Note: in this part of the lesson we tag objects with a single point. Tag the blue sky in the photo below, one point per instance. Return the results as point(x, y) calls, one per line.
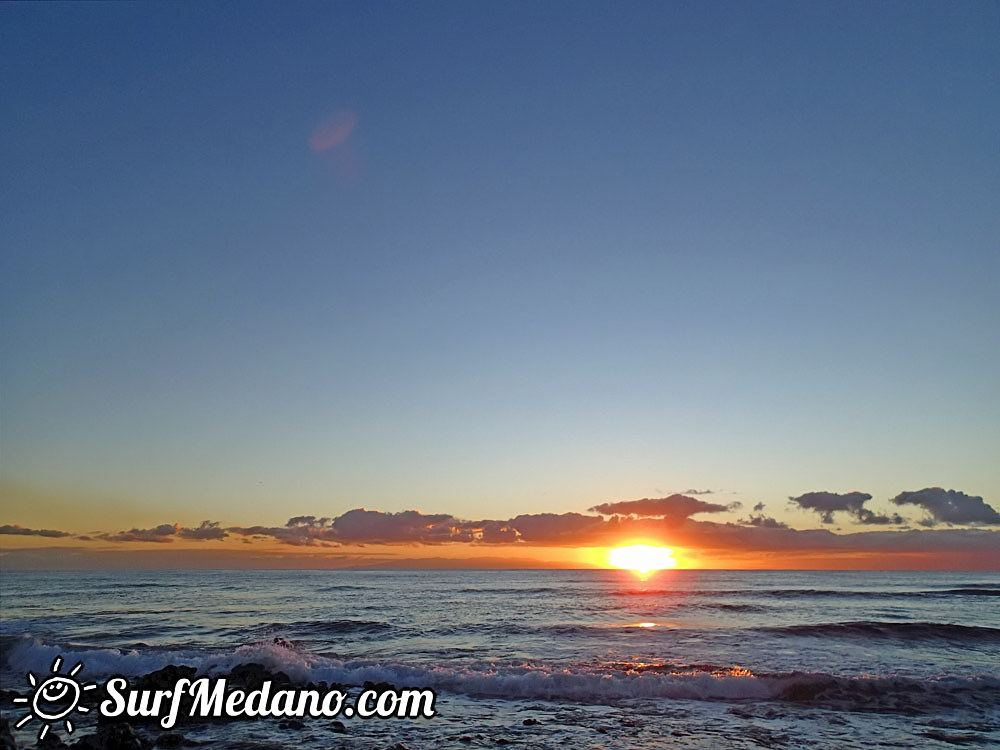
point(568, 253)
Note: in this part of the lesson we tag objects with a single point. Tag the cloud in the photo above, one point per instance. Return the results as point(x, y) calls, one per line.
point(299, 531)
point(666, 520)
point(949, 506)
point(164, 533)
point(828, 503)
point(675, 507)
point(207, 530)
point(556, 528)
point(376, 527)
point(699, 492)
point(763, 521)
point(21, 531)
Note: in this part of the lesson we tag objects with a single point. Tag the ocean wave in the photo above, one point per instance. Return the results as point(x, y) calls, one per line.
point(517, 590)
point(323, 627)
point(970, 591)
point(758, 593)
point(965, 590)
point(607, 684)
point(908, 630)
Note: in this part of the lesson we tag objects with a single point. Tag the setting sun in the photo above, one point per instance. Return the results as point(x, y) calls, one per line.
point(642, 558)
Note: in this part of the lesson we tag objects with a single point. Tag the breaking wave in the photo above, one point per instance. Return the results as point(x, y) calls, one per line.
point(598, 684)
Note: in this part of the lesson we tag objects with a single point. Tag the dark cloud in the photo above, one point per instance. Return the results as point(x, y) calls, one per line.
point(758, 507)
point(556, 528)
point(763, 521)
point(698, 492)
point(497, 532)
point(949, 506)
point(376, 527)
point(361, 526)
point(321, 522)
point(675, 507)
point(16, 530)
point(828, 503)
point(207, 530)
point(299, 531)
point(164, 533)
point(869, 518)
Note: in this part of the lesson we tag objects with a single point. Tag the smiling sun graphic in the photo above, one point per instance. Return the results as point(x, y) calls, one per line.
point(55, 698)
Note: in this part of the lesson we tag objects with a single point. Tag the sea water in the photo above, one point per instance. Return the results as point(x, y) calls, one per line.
point(543, 658)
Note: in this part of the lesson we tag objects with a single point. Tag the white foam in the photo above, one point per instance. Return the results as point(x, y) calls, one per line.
point(584, 684)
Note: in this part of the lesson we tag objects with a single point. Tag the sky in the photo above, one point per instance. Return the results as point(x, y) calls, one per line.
point(497, 261)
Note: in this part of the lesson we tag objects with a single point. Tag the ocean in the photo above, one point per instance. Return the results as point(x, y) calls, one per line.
point(542, 658)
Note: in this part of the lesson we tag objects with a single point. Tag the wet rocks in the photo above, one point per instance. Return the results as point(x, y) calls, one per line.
point(6, 737)
point(378, 687)
point(164, 679)
point(118, 736)
point(254, 675)
point(50, 742)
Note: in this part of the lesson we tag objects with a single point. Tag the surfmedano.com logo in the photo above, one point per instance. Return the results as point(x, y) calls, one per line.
point(55, 698)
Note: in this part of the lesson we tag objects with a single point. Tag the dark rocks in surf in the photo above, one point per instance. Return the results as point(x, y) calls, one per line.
point(6, 737)
point(50, 742)
point(164, 679)
point(174, 740)
point(378, 687)
point(254, 675)
point(118, 736)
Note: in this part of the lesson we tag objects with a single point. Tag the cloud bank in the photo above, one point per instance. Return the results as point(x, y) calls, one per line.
point(15, 530)
point(668, 520)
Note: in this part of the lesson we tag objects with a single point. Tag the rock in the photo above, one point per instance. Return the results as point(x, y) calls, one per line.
point(530, 722)
point(171, 739)
point(378, 687)
point(164, 679)
point(338, 726)
point(87, 742)
point(120, 736)
point(51, 741)
point(6, 738)
point(291, 724)
point(253, 676)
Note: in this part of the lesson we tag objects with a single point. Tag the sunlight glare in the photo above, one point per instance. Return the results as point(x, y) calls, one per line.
point(642, 558)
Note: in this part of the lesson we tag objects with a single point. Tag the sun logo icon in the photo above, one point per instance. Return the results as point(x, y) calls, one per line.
point(55, 698)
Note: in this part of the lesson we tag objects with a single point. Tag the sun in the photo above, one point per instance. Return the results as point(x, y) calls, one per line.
point(642, 558)
point(55, 698)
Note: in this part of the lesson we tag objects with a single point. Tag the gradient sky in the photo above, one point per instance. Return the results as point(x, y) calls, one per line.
point(491, 259)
